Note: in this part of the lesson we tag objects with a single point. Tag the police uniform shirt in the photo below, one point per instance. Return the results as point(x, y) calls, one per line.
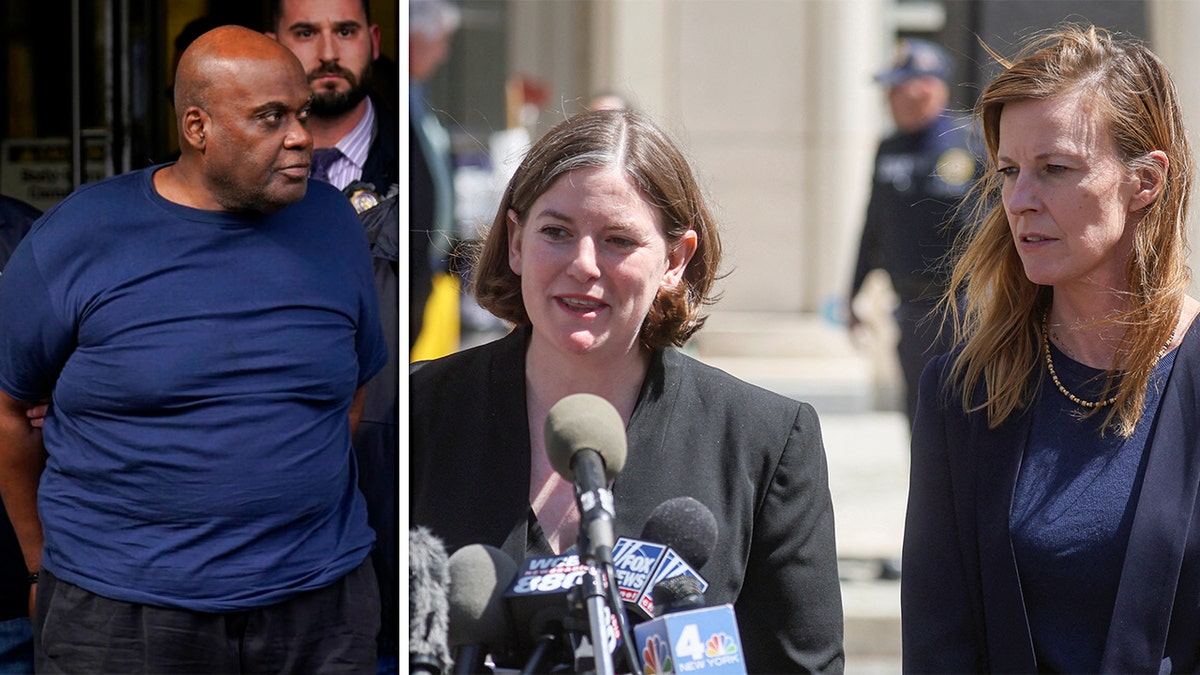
point(919, 179)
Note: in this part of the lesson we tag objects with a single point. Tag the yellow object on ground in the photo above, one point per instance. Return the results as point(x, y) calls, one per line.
point(441, 333)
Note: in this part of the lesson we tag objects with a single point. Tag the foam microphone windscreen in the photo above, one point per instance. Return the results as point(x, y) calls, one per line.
point(585, 422)
point(677, 594)
point(479, 575)
point(428, 591)
point(686, 525)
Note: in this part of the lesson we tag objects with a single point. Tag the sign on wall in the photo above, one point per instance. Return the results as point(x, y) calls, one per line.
point(38, 170)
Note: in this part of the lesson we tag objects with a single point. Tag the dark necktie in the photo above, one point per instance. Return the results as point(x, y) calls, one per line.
point(322, 159)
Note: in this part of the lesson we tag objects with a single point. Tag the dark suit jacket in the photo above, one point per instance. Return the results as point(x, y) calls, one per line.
point(382, 166)
point(16, 217)
point(961, 599)
point(752, 457)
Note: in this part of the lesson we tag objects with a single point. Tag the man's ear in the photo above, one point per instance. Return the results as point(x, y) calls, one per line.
point(194, 122)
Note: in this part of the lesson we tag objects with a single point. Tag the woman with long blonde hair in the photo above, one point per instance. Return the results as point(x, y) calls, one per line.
point(1054, 455)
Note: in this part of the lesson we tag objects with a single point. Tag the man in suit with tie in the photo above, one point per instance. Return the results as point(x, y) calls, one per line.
point(354, 135)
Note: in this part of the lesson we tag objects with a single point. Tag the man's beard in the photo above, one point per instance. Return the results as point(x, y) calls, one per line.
point(334, 103)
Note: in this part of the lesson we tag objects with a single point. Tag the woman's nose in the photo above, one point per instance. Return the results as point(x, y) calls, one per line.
point(585, 266)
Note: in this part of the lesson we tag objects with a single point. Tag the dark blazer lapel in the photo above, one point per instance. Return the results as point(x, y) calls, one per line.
point(1141, 617)
point(1009, 645)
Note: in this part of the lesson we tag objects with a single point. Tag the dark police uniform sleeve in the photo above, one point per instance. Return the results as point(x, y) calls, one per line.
point(919, 180)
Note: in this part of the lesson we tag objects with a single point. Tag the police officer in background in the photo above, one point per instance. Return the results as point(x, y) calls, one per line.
point(922, 171)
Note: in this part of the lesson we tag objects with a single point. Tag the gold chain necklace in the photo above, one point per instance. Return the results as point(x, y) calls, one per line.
point(1054, 376)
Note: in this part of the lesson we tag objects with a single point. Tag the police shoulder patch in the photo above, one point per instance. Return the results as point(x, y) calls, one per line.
point(956, 166)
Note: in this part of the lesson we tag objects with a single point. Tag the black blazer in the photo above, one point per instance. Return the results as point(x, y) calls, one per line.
point(382, 166)
point(961, 599)
point(753, 457)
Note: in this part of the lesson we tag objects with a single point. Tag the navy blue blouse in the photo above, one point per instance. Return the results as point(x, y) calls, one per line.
point(1072, 512)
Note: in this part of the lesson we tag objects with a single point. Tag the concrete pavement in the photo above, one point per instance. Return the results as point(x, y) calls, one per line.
point(868, 479)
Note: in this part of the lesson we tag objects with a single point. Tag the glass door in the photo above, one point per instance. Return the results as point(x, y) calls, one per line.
point(81, 100)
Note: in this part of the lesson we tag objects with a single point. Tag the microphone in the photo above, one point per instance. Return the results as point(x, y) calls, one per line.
point(686, 525)
point(479, 620)
point(684, 635)
point(428, 610)
point(692, 640)
point(677, 594)
point(538, 597)
point(680, 535)
point(546, 602)
point(585, 442)
point(640, 565)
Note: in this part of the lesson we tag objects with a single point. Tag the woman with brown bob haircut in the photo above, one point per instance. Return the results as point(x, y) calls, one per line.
point(602, 255)
point(656, 166)
point(1052, 518)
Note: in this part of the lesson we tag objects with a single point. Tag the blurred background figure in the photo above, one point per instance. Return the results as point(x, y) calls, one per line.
point(16, 631)
point(431, 23)
point(922, 170)
point(607, 99)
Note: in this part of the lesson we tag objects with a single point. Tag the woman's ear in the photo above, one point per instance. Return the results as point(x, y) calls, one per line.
point(1151, 177)
point(679, 257)
point(513, 227)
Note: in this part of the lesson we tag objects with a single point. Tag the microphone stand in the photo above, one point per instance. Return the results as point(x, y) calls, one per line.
point(627, 639)
point(600, 575)
point(596, 539)
point(536, 663)
point(591, 588)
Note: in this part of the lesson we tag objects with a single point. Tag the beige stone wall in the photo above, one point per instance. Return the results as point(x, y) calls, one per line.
point(774, 103)
point(772, 100)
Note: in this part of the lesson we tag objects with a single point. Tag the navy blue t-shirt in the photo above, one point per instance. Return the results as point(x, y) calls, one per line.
point(1072, 513)
point(202, 366)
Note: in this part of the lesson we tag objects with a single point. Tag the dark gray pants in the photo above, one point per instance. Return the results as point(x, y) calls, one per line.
point(921, 339)
point(329, 630)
